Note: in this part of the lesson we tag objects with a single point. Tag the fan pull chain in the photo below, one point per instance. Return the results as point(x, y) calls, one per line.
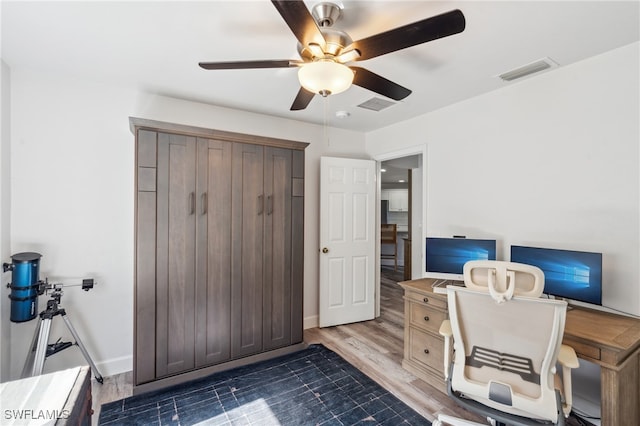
point(326, 120)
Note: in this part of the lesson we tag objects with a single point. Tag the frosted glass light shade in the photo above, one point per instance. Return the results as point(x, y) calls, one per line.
point(325, 77)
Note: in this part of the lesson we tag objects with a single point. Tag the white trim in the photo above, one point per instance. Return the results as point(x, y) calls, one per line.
point(115, 366)
point(405, 152)
point(310, 322)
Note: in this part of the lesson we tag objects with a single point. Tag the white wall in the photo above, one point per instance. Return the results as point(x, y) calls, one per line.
point(72, 199)
point(550, 161)
point(5, 193)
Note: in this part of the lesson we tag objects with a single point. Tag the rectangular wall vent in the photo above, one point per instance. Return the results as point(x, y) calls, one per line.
point(376, 104)
point(525, 70)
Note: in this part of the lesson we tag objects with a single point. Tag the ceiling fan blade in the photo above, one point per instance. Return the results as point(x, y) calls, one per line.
point(299, 19)
point(429, 29)
point(302, 99)
point(371, 81)
point(235, 65)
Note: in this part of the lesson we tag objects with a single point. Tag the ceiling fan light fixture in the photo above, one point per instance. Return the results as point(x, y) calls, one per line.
point(348, 56)
point(325, 77)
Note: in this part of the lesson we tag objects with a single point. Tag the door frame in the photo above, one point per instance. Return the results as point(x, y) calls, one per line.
point(419, 229)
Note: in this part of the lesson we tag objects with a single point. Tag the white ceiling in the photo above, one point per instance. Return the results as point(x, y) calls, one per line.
point(398, 168)
point(156, 46)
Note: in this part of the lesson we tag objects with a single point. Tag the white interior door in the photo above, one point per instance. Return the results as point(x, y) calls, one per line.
point(347, 240)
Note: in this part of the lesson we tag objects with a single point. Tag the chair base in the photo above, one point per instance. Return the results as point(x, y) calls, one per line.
point(443, 420)
point(497, 416)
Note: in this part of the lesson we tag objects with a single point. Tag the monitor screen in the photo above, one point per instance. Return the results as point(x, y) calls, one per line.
point(575, 275)
point(446, 256)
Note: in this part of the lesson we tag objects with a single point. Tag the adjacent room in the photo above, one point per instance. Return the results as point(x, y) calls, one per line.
point(205, 187)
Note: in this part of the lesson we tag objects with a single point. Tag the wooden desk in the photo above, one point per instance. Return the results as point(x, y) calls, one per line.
point(609, 340)
point(613, 342)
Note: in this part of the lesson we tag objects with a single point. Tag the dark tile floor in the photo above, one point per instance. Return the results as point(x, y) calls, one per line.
point(312, 387)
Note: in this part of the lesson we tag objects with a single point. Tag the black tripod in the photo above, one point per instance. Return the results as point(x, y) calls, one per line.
point(40, 347)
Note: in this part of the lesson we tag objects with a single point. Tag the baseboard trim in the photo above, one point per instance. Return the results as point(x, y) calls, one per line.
point(310, 322)
point(115, 366)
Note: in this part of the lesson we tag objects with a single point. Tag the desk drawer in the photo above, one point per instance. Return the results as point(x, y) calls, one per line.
point(426, 349)
point(426, 317)
point(583, 349)
point(438, 301)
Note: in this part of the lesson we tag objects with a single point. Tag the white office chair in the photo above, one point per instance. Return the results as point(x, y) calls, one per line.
point(506, 342)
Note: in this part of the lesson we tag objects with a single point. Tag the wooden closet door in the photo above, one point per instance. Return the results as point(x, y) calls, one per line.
point(145, 257)
point(277, 248)
point(213, 270)
point(247, 223)
point(175, 255)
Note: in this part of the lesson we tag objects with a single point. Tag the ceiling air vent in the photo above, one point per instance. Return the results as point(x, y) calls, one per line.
point(532, 68)
point(376, 104)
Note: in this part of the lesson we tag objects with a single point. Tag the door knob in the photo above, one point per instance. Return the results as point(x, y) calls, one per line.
point(325, 250)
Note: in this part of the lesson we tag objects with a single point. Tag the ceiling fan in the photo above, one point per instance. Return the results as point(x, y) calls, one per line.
point(325, 51)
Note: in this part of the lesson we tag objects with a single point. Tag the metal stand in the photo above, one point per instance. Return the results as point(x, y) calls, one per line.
point(40, 347)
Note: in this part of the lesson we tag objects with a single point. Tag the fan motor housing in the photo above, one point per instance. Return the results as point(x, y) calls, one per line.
point(335, 41)
point(326, 13)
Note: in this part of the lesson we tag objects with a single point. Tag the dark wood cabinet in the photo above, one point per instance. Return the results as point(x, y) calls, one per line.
point(219, 250)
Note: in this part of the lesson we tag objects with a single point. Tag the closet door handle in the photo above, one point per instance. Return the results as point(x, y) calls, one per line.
point(269, 205)
point(192, 202)
point(260, 204)
point(203, 200)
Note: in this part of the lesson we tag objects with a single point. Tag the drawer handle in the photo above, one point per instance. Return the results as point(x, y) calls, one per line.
point(425, 300)
point(426, 318)
point(426, 351)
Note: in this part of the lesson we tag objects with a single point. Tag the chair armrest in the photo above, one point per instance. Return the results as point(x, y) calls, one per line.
point(568, 360)
point(445, 328)
point(567, 357)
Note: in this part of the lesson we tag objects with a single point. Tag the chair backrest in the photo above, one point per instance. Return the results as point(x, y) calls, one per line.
point(388, 233)
point(506, 339)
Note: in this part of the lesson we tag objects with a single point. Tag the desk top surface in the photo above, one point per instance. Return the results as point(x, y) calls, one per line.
point(614, 331)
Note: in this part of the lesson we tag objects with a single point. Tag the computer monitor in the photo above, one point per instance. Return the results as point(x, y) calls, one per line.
point(575, 275)
point(446, 256)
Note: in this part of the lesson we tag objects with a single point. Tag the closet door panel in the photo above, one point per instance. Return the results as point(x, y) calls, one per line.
point(175, 276)
point(277, 253)
point(213, 270)
point(297, 247)
point(145, 290)
point(248, 207)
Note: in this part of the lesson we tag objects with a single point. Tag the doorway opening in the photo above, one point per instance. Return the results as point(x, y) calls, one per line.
point(396, 176)
point(396, 218)
point(400, 214)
